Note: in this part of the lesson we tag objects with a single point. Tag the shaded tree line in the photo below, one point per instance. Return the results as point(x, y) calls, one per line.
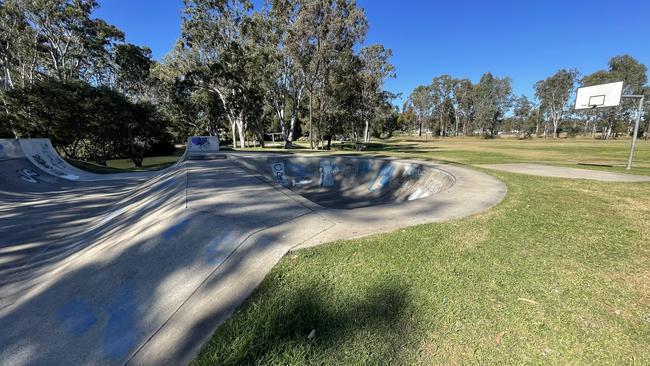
point(293, 66)
point(70, 77)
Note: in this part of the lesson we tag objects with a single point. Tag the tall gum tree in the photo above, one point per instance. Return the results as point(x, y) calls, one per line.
point(376, 68)
point(493, 99)
point(555, 92)
point(215, 31)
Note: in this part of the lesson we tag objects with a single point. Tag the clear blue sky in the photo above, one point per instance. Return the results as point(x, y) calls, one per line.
point(526, 40)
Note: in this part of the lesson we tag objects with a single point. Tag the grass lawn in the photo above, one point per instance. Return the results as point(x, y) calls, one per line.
point(126, 165)
point(558, 273)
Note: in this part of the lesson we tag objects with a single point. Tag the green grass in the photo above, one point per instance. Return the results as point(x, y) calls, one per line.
point(558, 273)
point(126, 165)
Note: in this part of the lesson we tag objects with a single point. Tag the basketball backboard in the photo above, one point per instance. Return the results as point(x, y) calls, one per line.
point(598, 96)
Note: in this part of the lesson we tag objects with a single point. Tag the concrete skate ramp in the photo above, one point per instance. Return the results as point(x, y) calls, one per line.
point(36, 161)
point(352, 182)
point(202, 148)
point(141, 271)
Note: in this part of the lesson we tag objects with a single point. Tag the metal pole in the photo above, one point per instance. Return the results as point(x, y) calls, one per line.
point(636, 131)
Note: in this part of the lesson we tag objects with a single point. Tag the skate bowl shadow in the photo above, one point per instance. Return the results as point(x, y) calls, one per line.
point(352, 182)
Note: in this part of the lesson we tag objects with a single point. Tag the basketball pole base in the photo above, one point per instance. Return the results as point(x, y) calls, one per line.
point(636, 128)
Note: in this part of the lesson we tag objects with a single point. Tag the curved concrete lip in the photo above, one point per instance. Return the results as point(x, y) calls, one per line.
point(471, 192)
point(543, 170)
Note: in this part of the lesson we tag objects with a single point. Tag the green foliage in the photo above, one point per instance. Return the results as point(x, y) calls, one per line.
point(84, 121)
point(613, 121)
point(493, 99)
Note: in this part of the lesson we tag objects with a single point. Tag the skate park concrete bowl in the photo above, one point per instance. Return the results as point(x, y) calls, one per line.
point(352, 182)
point(140, 268)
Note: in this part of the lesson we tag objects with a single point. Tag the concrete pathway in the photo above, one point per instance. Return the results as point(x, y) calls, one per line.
point(142, 272)
point(564, 172)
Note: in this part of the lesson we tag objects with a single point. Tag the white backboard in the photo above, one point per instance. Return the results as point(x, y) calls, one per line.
point(598, 96)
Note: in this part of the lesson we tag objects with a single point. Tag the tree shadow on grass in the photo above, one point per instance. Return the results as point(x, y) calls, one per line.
point(380, 146)
point(373, 327)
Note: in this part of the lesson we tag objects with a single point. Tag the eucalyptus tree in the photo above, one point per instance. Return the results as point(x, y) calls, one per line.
point(275, 34)
point(133, 68)
point(555, 93)
point(464, 96)
point(635, 78)
point(214, 30)
point(407, 118)
point(422, 105)
point(493, 99)
point(343, 106)
point(73, 44)
point(191, 110)
point(442, 90)
point(522, 112)
point(375, 68)
point(19, 54)
point(325, 30)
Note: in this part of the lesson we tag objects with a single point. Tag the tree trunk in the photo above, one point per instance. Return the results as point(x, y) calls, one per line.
point(240, 130)
point(234, 135)
point(311, 132)
point(260, 138)
point(593, 130)
point(366, 132)
point(329, 142)
point(292, 125)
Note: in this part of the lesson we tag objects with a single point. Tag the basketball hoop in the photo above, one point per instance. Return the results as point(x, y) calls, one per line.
point(599, 96)
point(609, 95)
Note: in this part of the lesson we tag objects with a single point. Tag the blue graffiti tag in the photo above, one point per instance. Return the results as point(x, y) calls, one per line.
point(171, 232)
point(382, 179)
point(277, 169)
point(200, 141)
point(327, 169)
point(120, 332)
point(76, 316)
point(364, 167)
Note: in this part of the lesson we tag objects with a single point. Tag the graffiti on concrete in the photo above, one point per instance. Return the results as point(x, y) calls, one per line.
point(349, 170)
point(221, 245)
point(174, 229)
point(327, 171)
point(120, 331)
point(364, 167)
point(299, 173)
point(201, 142)
point(28, 175)
point(412, 171)
point(277, 170)
point(383, 178)
point(76, 316)
point(52, 163)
